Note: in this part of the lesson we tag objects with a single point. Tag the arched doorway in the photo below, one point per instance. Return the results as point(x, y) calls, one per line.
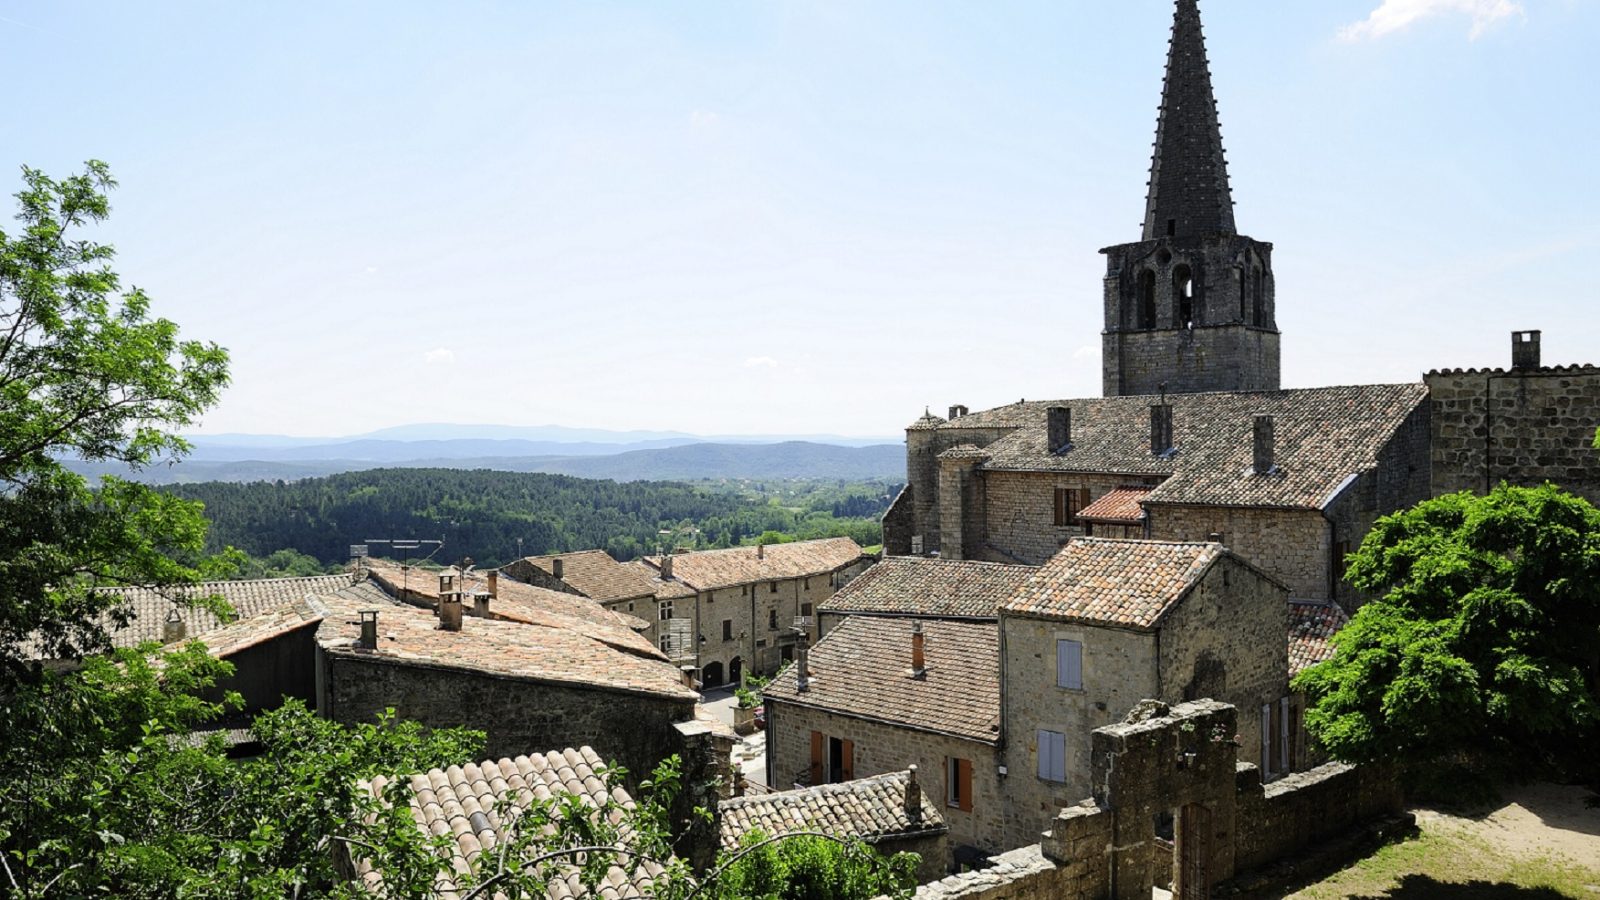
point(736, 671)
point(711, 675)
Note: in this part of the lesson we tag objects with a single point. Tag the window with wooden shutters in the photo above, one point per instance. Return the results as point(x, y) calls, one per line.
point(816, 757)
point(1052, 756)
point(1069, 664)
point(847, 758)
point(1069, 501)
point(958, 783)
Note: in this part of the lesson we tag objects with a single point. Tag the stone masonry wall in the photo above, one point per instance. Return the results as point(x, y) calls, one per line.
point(520, 716)
point(882, 747)
point(1292, 546)
point(1226, 357)
point(1295, 812)
point(1520, 426)
point(763, 635)
point(923, 447)
point(1020, 515)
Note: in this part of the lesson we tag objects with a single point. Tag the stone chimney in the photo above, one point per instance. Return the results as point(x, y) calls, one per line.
point(1525, 349)
point(802, 668)
point(447, 582)
point(369, 630)
point(761, 551)
point(1261, 459)
point(493, 577)
point(913, 795)
point(450, 612)
point(666, 567)
point(480, 604)
point(173, 628)
point(1160, 428)
point(957, 411)
point(1059, 420)
point(919, 658)
point(556, 567)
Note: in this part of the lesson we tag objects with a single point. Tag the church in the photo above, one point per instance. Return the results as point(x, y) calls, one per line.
point(1193, 438)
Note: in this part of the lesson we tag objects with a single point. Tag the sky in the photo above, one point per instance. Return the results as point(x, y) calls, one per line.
point(779, 217)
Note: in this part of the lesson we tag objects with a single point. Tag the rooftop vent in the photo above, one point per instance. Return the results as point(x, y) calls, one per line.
point(1525, 349)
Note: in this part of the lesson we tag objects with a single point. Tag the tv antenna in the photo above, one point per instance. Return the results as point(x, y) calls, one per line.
point(406, 546)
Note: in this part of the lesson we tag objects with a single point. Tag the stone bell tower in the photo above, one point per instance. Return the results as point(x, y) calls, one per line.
point(1190, 306)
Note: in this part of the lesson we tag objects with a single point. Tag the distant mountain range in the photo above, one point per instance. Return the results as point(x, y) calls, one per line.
point(619, 461)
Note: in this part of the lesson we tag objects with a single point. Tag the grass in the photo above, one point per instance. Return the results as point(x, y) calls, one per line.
point(1448, 864)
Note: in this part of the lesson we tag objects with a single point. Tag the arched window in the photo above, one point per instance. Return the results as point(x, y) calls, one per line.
point(1147, 300)
point(1244, 293)
point(1258, 312)
point(1183, 296)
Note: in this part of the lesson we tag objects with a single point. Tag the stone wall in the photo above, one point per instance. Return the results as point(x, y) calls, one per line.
point(1293, 546)
point(882, 747)
point(1020, 513)
point(1226, 357)
point(962, 529)
point(1297, 811)
point(900, 523)
point(1523, 426)
point(519, 716)
point(760, 621)
point(923, 446)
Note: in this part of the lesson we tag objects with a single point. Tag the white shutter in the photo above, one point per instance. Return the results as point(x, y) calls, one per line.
point(1069, 664)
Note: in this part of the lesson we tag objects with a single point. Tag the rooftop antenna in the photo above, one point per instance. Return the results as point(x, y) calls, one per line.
point(406, 545)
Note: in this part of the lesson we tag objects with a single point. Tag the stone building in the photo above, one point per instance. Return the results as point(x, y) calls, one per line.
point(739, 607)
point(881, 694)
point(1108, 623)
point(619, 587)
point(912, 587)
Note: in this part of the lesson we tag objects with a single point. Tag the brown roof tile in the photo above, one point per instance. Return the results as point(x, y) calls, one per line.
point(1311, 625)
point(1114, 582)
point(150, 607)
point(863, 668)
point(871, 809)
point(706, 570)
point(660, 588)
point(596, 575)
point(463, 801)
point(937, 588)
point(1118, 507)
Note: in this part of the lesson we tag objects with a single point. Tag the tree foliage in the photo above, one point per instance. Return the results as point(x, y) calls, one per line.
point(1483, 643)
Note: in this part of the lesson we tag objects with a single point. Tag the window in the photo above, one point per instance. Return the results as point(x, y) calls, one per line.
point(1172, 227)
point(772, 620)
point(727, 629)
point(630, 607)
point(666, 610)
point(1068, 502)
point(806, 584)
point(805, 610)
point(832, 759)
point(958, 783)
point(1147, 300)
point(1069, 664)
point(1052, 756)
point(1258, 311)
point(772, 587)
point(665, 643)
point(1183, 296)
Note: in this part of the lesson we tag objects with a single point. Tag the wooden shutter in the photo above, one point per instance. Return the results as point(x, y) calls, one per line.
point(1061, 507)
point(849, 760)
point(1283, 735)
point(1069, 664)
point(1083, 501)
point(1266, 739)
point(964, 779)
point(816, 757)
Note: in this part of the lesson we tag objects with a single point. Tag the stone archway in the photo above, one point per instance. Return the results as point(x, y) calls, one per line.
point(736, 670)
point(711, 675)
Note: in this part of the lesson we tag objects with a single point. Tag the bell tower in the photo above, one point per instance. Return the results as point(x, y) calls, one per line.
point(1190, 306)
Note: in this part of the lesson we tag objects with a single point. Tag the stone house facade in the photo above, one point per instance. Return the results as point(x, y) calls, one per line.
point(1109, 623)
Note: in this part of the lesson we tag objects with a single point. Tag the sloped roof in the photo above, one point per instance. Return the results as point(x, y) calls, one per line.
point(536, 652)
point(871, 809)
point(938, 588)
point(596, 575)
point(239, 636)
point(1323, 436)
point(1311, 625)
point(1123, 583)
point(660, 588)
point(151, 607)
point(863, 668)
point(707, 570)
point(461, 801)
point(1118, 507)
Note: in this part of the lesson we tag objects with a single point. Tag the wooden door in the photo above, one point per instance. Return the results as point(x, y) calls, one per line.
point(1191, 878)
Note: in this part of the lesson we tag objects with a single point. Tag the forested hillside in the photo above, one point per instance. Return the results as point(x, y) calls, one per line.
point(483, 514)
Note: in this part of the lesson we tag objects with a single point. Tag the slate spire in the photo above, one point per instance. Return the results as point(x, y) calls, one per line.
point(1189, 193)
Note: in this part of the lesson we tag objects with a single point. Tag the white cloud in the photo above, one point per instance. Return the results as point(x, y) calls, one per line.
point(760, 362)
point(701, 118)
point(1395, 15)
point(372, 270)
point(440, 357)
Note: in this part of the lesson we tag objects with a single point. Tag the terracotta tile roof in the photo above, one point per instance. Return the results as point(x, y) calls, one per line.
point(595, 574)
point(260, 628)
point(1311, 624)
point(463, 801)
point(661, 589)
point(248, 598)
point(863, 668)
point(937, 588)
point(518, 602)
point(706, 570)
point(1323, 436)
point(1114, 582)
point(536, 652)
point(871, 809)
point(1118, 507)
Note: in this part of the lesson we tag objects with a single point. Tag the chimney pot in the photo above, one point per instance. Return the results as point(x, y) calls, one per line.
point(556, 567)
point(919, 661)
point(173, 629)
point(1160, 427)
point(761, 551)
point(1262, 457)
point(913, 795)
point(480, 605)
point(494, 584)
point(369, 630)
point(1525, 349)
point(450, 612)
point(1059, 422)
point(802, 668)
point(666, 567)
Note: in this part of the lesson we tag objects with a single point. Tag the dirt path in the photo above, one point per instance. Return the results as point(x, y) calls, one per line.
point(1536, 819)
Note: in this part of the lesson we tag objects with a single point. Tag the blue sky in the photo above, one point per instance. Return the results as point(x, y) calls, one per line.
point(741, 217)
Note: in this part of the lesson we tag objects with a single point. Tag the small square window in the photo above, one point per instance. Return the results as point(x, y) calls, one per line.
point(727, 629)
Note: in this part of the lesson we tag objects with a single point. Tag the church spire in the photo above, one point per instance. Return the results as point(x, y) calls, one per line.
point(1189, 193)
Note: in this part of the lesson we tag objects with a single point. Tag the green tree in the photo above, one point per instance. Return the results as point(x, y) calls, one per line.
point(1483, 644)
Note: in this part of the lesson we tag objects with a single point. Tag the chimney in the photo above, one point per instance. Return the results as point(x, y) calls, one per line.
point(494, 584)
point(1059, 419)
point(761, 551)
point(1262, 458)
point(957, 412)
point(1215, 537)
point(173, 629)
point(802, 668)
point(369, 630)
point(1524, 349)
point(666, 567)
point(913, 795)
point(450, 612)
point(480, 604)
point(556, 567)
point(1160, 428)
point(919, 660)
point(447, 582)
